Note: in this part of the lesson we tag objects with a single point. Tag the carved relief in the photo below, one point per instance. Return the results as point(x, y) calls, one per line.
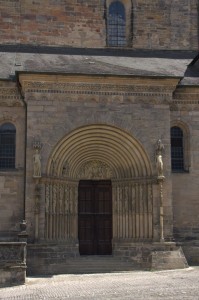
point(132, 213)
point(65, 169)
point(95, 170)
point(61, 209)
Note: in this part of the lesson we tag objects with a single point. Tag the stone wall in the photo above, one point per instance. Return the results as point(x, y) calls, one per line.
point(51, 116)
point(150, 25)
point(12, 263)
point(185, 114)
point(12, 180)
point(165, 24)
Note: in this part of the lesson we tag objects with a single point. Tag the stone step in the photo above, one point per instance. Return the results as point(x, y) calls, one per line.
point(90, 265)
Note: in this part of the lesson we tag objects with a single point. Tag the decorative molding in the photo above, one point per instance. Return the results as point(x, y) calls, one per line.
point(15, 101)
point(98, 89)
point(10, 96)
point(188, 98)
point(7, 116)
point(9, 91)
point(184, 106)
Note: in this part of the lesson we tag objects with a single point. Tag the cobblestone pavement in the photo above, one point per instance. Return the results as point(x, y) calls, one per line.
point(175, 284)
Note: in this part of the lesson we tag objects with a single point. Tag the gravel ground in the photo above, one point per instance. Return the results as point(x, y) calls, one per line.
point(175, 284)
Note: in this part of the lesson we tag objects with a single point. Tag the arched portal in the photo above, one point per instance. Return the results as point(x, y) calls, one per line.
point(111, 146)
point(99, 153)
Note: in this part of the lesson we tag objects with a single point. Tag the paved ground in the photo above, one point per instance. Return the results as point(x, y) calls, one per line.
point(176, 284)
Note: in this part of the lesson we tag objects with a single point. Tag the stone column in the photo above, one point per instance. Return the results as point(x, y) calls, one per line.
point(160, 181)
point(37, 208)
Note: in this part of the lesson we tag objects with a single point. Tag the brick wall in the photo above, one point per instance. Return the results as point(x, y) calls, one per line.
point(155, 24)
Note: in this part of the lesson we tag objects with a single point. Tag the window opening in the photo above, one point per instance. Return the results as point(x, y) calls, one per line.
point(116, 25)
point(177, 155)
point(7, 146)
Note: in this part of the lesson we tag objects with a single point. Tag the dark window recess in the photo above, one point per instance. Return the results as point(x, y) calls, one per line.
point(7, 146)
point(116, 25)
point(177, 155)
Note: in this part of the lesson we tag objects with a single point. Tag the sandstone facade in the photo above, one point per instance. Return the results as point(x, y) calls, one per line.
point(96, 115)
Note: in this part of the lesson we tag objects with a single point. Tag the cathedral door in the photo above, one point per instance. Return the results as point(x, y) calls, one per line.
point(95, 217)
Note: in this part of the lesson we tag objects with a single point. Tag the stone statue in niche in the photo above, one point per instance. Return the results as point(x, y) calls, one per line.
point(37, 146)
point(159, 161)
point(37, 164)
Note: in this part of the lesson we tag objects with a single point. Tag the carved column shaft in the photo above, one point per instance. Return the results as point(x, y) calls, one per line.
point(161, 212)
point(61, 210)
point(132, 213)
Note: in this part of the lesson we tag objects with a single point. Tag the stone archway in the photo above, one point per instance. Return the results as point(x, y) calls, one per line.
point(123, 154)
point(99, 152)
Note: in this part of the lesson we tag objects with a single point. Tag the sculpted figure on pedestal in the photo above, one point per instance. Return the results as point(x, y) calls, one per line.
point(159, 161)
point(37, 164)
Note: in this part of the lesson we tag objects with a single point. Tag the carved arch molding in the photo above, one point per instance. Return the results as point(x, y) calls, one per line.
point(99, 152)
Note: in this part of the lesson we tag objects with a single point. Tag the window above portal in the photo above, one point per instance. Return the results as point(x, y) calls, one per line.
point(116, 25)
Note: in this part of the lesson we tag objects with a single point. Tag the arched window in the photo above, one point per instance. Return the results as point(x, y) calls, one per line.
point(177, 151)
point(116, 34)
point(7, 146)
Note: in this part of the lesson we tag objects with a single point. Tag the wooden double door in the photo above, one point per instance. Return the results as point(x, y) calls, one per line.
point(95, 217)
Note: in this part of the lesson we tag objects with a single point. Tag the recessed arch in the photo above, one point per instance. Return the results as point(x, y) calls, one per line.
point(116, 148)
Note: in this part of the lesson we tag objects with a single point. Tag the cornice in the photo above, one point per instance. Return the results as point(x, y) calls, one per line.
point(99, 85)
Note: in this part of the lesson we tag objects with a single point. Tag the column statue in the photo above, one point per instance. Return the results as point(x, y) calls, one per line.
point(159, 161)
point(37, 164)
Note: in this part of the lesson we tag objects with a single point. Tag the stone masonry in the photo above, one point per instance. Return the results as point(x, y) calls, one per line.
point(84, 111)
point(153, 24)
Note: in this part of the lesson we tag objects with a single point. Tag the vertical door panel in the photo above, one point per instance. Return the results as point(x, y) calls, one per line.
point(95, 218)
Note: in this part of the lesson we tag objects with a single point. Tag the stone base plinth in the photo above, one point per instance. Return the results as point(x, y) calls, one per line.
point(12, 263)
point(12, 275)
point(151, 256)
point(50, 259)
point(168, 260)
point(191, 251)
point(45, 259)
